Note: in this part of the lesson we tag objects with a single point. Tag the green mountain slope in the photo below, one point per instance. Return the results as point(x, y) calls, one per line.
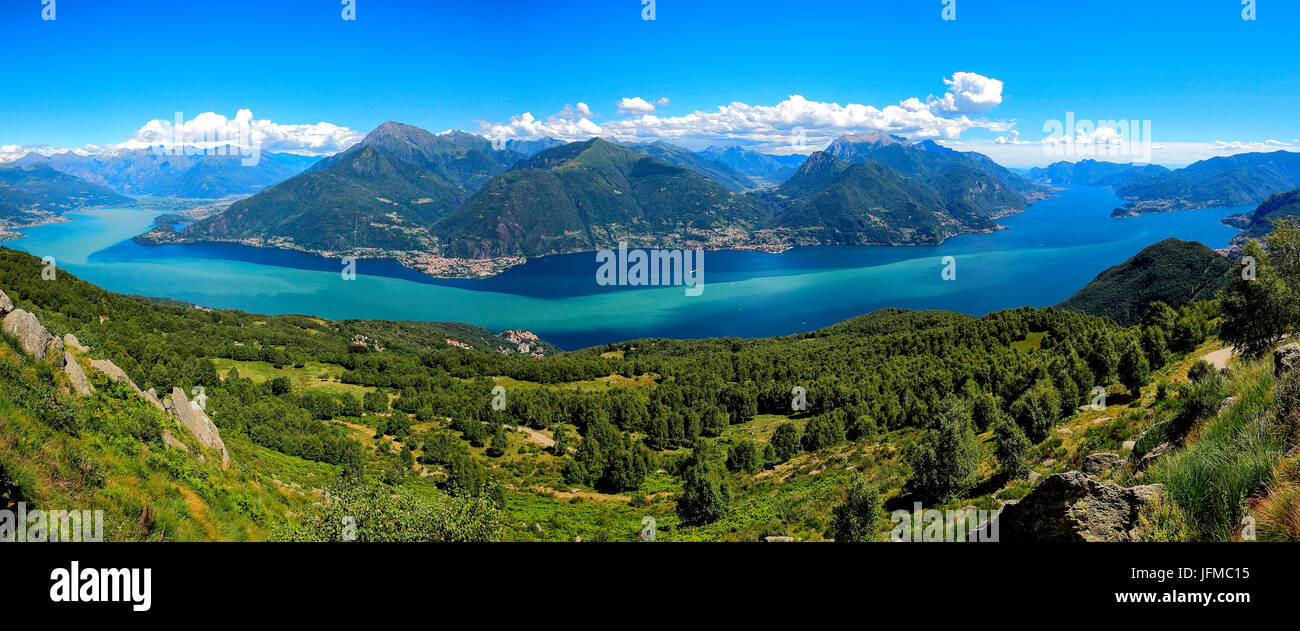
point(381, 196)
point(683, 157)
point(1172, 271)
point(37, 193)
point(1259, 222)
point(1238, 180)
point(591, 195)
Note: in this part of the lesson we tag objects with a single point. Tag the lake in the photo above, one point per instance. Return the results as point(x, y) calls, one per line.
point(1045, 254)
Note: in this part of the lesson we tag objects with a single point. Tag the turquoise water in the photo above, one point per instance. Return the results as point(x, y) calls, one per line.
point(1044, 256)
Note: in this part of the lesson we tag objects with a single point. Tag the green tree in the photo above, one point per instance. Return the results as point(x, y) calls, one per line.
point(744, 457)
point(1037, 410)
point(1011, 450)
point(824, 430)
point(855, 518)
point(1160, 315)
point(1257, 312)
point(944, 461)
point(785, 441)
point(705, 493)
point(1133, 370)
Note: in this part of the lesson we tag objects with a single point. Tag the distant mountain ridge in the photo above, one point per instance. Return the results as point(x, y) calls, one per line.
point(1093, 173)
point(162, 174)
point(761, 168)
point(35, 194)
point(1236, 180)
point(457, 204)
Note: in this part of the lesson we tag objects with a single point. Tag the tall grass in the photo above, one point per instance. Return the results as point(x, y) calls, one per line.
point(1229, 455)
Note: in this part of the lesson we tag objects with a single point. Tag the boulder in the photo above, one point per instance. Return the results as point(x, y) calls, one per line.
point(777, 538)
point(1151, 456)
point(78, 377)
point(113, 372)
point(1097, 464)
point(6, 305)
point(1074, 506)
point(151, 396)
point(195, 420)
point(31, 335)
point(71, 341)
point(169, 440)
point(1286, 358)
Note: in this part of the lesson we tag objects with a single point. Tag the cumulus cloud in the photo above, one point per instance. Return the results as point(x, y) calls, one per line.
point(210, 129)
point(794, 122)
point(1237, 146)
point(1012, 138)
point(969, 93)
point(635, 105)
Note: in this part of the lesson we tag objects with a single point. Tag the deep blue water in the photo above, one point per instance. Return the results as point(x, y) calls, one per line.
point(1045, 254)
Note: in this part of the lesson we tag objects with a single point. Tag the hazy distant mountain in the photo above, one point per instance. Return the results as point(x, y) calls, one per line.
point(1093, 173)
point(590, 195)
point(530, 148)
point(150, 172)
point(1172, 271)
point(924, 161)
point(683, 157)
point(762, 168)
point(1237, 180)
point(383, 193)
point(30, 194)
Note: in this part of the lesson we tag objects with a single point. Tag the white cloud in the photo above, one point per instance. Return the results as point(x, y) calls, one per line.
point(1238, 146)
point(663, 100)
point(1012, 138)
point(794, 122)
point(210, 129)
point(969, 93)
point(635, 105)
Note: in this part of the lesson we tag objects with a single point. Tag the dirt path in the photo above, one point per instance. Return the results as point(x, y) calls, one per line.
point(534, 435)
point(1219, 359)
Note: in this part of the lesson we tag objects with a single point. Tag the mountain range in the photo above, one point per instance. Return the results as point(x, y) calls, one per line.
point(160, 174)
point(1236, 180)
point(1093, 173)
point(441, 201)
point(34, 194)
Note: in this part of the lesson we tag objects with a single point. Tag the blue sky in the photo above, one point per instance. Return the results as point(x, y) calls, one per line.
point(1194, 68)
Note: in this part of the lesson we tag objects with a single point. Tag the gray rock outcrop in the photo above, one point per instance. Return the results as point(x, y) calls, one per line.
point(1286, 358)
point(71, 341)
point(1097, 464)
point(1074, 506)
point(6, 305)
point(31, 335)
point(111, 371)
point(195, 420)
point(80, 384)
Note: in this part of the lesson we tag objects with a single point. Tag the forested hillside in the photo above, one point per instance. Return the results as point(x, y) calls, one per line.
point(1172, 271)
